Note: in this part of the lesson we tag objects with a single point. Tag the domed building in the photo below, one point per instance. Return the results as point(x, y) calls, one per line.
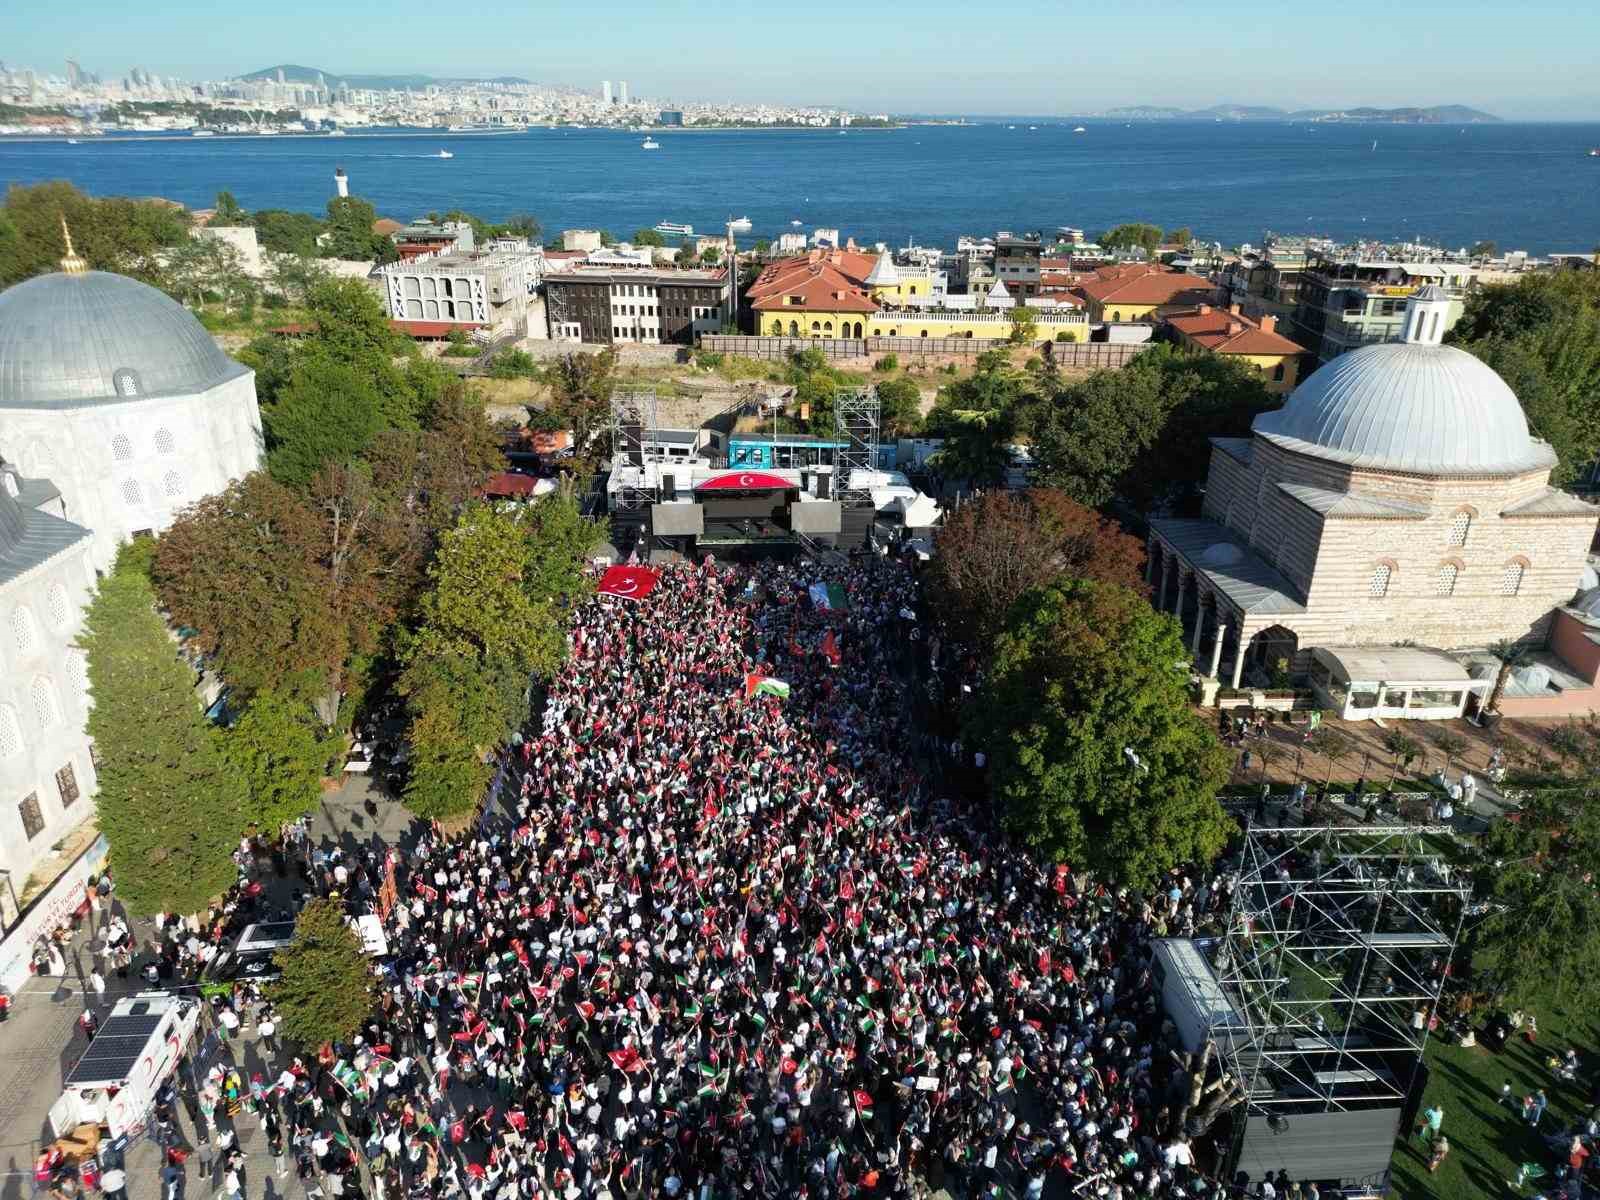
point(117, 409)
point(118, 395)
point(1397, 501)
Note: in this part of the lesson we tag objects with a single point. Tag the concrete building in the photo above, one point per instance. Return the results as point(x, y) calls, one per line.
point(611, 307)
point(1140, 292)
point(1227, 331)
point(1344, 303)
point(1016, 264)
point(485, 291)
point(421, 239)
point(1396, 500)
point(580, 239)
point(605, 92)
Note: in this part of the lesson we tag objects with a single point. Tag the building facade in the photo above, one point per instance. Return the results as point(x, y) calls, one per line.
point(1253, 341)
point(634, 306)
point(1140, 292)
point(478, 290)
point(1016, 264)
point(1343, 303)
point(1396, 498)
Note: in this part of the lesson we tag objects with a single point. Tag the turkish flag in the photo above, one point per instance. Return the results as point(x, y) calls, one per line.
point(629, 583)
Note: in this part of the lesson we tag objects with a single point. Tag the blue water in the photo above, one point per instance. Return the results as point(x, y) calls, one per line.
point(1523, 186)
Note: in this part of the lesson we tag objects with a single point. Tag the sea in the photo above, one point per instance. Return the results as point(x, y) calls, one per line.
point(1531, 187)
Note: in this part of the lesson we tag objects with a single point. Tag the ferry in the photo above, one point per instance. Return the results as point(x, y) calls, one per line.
point(740, 225)
point(445, 154)
point(1080, 129)
point(673, 229)
point(650, 144)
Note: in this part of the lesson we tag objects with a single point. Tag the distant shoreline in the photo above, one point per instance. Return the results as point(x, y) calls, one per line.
point(406, 131)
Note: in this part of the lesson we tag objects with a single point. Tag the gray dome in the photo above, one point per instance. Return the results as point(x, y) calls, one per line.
point(1430, 410)
point(66, 339)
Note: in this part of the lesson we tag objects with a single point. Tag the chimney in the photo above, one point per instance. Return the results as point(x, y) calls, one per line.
point(1234, 309)
point(1235, 328)
point(1268, 324)
point(1203, 311)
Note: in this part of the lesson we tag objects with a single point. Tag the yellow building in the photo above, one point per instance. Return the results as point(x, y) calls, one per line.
point(1136, 292)
point(1070, 325)
point(1257, 342)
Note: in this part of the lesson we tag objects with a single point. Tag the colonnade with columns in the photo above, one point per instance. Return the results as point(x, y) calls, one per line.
point(1174, 586)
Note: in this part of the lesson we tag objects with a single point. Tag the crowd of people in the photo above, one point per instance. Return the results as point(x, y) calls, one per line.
point(718, 942)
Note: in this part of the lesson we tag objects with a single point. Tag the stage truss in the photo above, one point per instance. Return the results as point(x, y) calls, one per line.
point(1337, 940)
point(856, 415)
point(634, 440)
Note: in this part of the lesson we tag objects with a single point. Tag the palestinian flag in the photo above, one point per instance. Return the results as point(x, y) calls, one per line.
point(828, 597)
point(756, 684)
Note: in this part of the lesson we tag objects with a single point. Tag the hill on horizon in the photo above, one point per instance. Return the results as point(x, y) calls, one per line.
point(294, 73)
point(1439, 114)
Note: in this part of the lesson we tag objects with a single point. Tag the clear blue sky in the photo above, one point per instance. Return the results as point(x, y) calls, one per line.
point(1531, 59)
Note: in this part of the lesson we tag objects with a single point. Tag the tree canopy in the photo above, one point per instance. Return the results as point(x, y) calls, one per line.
point(1003, 544)
point(281, 755)
point(1135, 235)
point(349, 232)
point(110, 234)
point(169, 804)
point(326, 987)
point(1094, 753)
point(580, 400)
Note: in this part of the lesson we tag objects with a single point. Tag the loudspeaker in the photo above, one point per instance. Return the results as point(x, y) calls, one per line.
point(669, 487)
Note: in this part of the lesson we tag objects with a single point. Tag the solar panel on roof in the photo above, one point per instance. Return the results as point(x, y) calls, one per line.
point(115, 1049)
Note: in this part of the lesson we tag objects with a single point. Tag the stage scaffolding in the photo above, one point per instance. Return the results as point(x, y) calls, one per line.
point(856, 415)
point(634, 441)
point(1334, 955)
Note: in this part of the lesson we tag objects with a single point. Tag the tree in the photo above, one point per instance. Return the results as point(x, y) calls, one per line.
point(711, 255)
point(580, 397)
point(111, 234)
point(1003, 544)
point(294, 276)
point(1135, 236)
point(1402, 749)
point(648, 237)
point(349, 232)
point(325, 988)
point(1095, 755)
point(281, 756)
point(228, 211)
point(329, 412)
point(168, 803)
point(899, 406)
point(1180, 236)
point(1024, 325)
point(1483, 250)
point(282, 232)
point(203, 268)
point(1510, 655)
point(816, 394)
point(763, 247)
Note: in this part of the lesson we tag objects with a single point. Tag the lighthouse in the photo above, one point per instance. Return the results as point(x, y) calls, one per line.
point(341, 182)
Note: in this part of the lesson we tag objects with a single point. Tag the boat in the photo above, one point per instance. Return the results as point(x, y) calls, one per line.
point(202, 133)
point(72, 141)
point(1374, 143)
point(796, 224)
point(1079, 129)
point(444, 154)
point(673, 229)
point(1594, 152)
point(1031, 128)
point(1010, 126)
point(650, 144)
point(740, 225)
point(337, 133)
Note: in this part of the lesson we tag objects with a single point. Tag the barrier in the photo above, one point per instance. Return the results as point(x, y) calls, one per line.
point(50, 908)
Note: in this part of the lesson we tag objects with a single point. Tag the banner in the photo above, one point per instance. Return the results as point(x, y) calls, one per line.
point(828, 597)
point(628, 583)
point(765, 685)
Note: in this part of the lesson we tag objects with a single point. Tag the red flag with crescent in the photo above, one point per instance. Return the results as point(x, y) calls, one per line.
point(628, 583)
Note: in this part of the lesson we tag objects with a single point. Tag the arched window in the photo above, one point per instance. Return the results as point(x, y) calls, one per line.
point(777, 327)
point(60, 610)
point(794, 328)
point(10, 733)
point(131, 493)
point(77, 670)
point(816, 328)
point(1511, 577)
point(1444, 583)
point(122, 447)
point(1381, 574)
point(126, 381)
point(43, 696)
point(173, 483)
point(164, 441)
point(1117, 315)
point(22, 629)
point(1459, 525)
point(827, 327)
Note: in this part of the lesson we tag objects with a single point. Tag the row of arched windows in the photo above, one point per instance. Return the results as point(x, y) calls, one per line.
point(1446, 575)
point(46, 712)
point(122, 444)
point(23, 632)
point(133, 494)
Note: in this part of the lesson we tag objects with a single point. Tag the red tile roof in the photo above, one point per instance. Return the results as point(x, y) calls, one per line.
point(1144, 283)
point(508, 483)
point(432, 329)
point(1225, 332)
point(824, 279)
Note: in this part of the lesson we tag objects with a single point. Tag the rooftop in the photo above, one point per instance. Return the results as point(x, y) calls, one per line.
point(1228, 331)
point(1144, 283)
point(1253, 585)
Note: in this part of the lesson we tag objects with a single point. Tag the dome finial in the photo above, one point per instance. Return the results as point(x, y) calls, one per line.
point(71, 264)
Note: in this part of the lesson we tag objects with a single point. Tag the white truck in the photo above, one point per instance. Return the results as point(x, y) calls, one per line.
point(1192, 997)
point(136, 1050)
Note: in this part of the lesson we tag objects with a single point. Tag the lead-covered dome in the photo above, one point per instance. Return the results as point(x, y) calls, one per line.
point(72, 339)
point(1402, 406)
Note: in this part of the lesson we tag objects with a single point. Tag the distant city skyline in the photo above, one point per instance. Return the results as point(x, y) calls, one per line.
point(1034, 57)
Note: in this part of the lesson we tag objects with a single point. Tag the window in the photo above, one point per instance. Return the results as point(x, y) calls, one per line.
point(32, 818)
point(1511, 579)
point(60, 610)
point(11, 484)
point(173, 483)
point(121, 447)
point(67, 785)
point(43, 697)
point(22, 629)
point(1444, 583)
point(164, 441)
point(1459, 524)
point(1380, 580)
point(125, 381)
point(10, 733)
point(1278, 373)
point(77, 670)
point(131, 493)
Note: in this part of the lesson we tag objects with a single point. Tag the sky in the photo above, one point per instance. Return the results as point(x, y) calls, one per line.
point(1535, 60)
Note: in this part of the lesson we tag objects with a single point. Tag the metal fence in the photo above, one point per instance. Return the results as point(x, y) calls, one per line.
point(780, 349)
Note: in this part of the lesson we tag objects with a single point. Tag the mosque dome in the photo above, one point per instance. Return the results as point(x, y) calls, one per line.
point(1408, 406)
point(78, 337)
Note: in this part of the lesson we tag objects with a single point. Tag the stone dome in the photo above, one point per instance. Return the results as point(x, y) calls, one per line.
point(68, 340)
point(1402, 406)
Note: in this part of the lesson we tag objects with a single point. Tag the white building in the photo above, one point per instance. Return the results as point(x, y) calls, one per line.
point(485, 291)
point(117, 409)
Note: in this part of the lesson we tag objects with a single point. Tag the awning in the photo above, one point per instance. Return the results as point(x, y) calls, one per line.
point(1397, 665)
point(744, 481)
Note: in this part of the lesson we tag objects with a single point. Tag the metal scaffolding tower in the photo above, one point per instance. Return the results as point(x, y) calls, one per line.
point(634, 441)
point(1335, 954)
point(856, 416)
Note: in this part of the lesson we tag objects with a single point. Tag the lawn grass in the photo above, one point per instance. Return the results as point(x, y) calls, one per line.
point(1487, 1141)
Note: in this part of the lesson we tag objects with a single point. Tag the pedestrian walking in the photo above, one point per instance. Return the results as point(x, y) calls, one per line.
point(1441, 1148)
point(98, 982)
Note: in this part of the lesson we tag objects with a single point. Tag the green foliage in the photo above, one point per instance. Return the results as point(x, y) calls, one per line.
point(228, 211)
point(329, 412)
point(1024, 324)
point(111, 234)
point(501, 586)
point(349, 232)
point(1083, 672)
point(1136, 235)
point(513, 364)
point(168, 803)
point(708, 360)
point(204, 268)
point(711, 255)
point(979, 417)
point(283, 232)
point(648, 237)
point(281, 755)
point(1179, 237)
point(294, 276)
point(889, 362)
point(580, 398)
point(520, 225)
point(900, 405)
point(326, 988)
point(1483, 250)
point(816, 395)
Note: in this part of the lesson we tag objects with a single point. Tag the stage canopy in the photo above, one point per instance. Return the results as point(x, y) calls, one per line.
point(629, 583)
point(744, 481)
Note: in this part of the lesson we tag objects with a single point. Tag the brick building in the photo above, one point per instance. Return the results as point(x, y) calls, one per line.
point(615, 307)
point(1396, 498)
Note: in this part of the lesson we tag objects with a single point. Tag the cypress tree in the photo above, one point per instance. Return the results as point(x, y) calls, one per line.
point(169, 806)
